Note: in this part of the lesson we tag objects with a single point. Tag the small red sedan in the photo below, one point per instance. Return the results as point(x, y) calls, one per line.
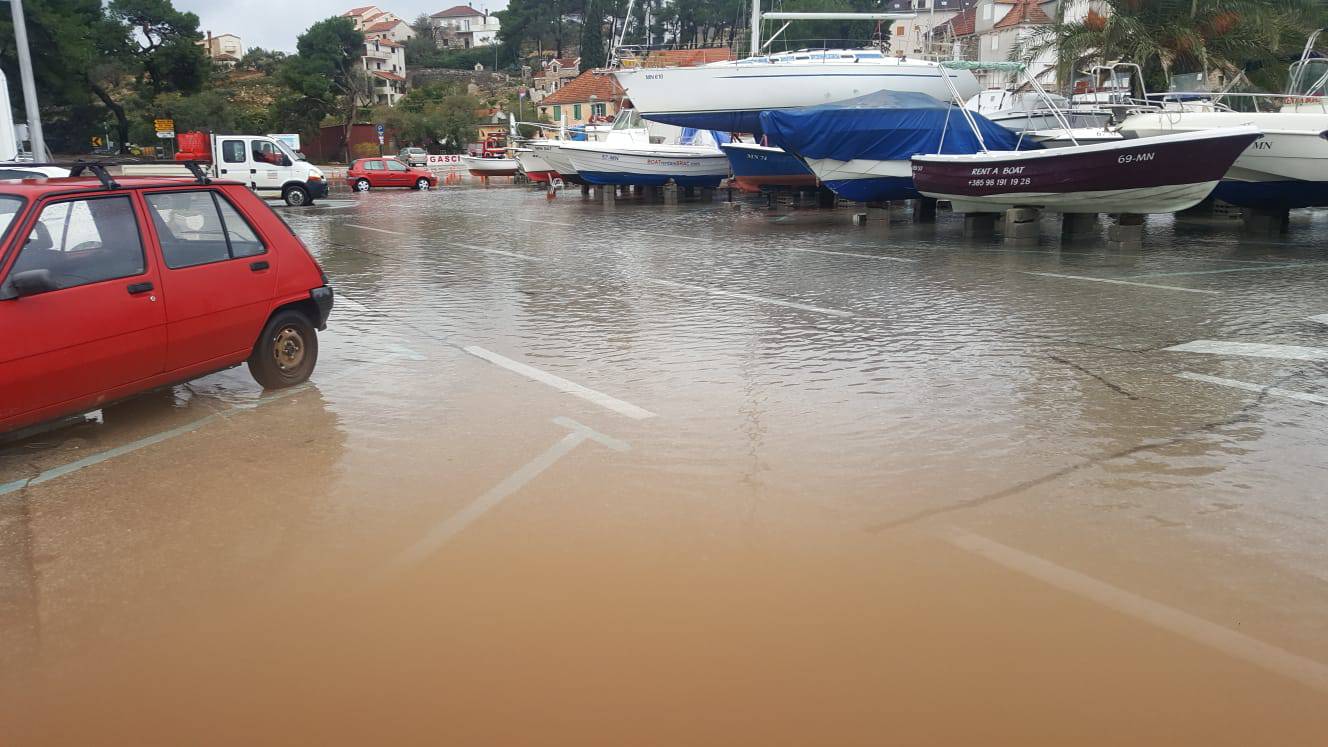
point(367, 173)
point(113, 287)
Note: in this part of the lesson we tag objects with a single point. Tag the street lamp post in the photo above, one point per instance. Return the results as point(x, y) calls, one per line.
point(39, 153)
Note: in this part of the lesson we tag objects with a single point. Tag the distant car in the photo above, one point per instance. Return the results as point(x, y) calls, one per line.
point(413, 157)
point(369, 173)
point(114, 287)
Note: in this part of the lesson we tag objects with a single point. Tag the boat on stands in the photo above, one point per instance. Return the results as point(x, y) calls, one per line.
point(730, 96)
point(493, 159)
point(533, 166)
point(694, 161)
point(486, 166)
point(860, 148)
point(756, 166)
point(547, 150)
point(1287, 168)
point(1160, 174)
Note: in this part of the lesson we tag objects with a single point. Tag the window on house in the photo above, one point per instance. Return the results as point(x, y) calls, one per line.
point(598, 110)
point(899, 30)
point(995, 42)
point(576, 111)
point(988, 11)
point(557, 113)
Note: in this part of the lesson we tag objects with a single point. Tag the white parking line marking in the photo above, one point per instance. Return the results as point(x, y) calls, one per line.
point(499, 251)
point(853, 254)
point(371, 228)
point(156, 438)
point(1251, 350)
point(1121, 282)
point(349, 303)
point(1261, 268)
point(443, 533)
point(1321, 319)
point(755, 299)
point(1256, 388)
point(546, 222)
point(563, 385)
point(1238, 645)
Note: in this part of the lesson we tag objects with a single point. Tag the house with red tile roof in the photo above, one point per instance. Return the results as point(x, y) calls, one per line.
point(384, 56)
point(464, 26)
point(591, 97)
point(1001, 26)
point(553, 74)
point(928, 34)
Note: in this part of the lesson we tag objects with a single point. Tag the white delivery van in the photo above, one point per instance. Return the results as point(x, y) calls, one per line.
point(269, 166)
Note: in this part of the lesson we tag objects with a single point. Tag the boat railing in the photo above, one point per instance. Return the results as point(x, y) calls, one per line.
point(820, 49)
point(1236, 101)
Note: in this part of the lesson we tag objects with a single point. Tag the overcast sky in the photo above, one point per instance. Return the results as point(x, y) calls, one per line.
point(274, 24)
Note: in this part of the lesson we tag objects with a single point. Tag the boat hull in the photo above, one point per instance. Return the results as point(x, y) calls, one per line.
point(534, 167)
point(1288, 168)
point(1153, 175)
point(866, 180)
point(757, 167)
point(491, 166)
point(648, 168)
point(730, 97)
point(559, 162)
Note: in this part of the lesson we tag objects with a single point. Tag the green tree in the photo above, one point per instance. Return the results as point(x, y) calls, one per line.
point(592, 36)
point(265, 61)
point(1165, 37)
point(325, 74)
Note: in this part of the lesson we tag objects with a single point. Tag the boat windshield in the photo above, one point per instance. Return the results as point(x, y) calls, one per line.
point(628, 119)
point(1310, 78)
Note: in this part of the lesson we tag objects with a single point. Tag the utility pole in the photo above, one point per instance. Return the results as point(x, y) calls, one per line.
point(39, 153)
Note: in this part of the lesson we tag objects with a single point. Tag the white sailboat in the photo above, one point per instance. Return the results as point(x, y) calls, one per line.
point(729, 96)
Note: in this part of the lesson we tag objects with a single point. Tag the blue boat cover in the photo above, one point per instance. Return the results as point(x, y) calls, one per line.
point(883, 126)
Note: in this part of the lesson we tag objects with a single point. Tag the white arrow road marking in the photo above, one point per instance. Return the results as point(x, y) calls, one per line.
point(444, 532)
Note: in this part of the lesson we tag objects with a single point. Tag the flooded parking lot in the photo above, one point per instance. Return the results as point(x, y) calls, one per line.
point(705, 474)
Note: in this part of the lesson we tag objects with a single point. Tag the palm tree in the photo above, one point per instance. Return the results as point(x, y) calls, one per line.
point(1165, 37)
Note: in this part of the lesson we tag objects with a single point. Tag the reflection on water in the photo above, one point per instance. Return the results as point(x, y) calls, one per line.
point(829, 399)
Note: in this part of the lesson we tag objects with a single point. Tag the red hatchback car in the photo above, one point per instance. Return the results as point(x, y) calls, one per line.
point(367, 173)
point(111, 289)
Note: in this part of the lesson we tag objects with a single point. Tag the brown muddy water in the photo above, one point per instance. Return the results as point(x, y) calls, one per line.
point(705, 474)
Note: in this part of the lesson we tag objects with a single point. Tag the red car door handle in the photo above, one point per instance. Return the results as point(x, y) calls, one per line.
point(138, 288)
point(258, 266)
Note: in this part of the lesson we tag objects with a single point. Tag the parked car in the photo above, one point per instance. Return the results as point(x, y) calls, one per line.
point(109, 289)
point(414, 157)
point(368, 173)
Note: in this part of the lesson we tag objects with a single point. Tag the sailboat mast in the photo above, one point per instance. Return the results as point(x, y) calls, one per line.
point(756, 28)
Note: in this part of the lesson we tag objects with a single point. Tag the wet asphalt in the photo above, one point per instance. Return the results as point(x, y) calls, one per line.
point(707, 473)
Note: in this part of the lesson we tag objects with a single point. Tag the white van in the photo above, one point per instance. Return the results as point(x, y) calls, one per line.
point(269, 166)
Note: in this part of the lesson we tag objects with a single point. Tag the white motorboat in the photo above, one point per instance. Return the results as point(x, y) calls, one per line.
point(1024, 111)
point(1162, 174)
point(729, 96)
point(1287, 168)
point(653, 155)
point(533, 166)
point(1059, 138)
point(486, 166)
point(654, 165)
